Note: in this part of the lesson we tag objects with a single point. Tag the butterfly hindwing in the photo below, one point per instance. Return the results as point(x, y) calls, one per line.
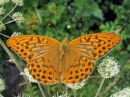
point(79, 71)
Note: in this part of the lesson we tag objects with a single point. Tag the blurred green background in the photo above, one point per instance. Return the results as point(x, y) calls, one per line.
point(72, 18)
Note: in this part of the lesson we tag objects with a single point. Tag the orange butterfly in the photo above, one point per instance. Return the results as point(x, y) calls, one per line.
point(51, 62)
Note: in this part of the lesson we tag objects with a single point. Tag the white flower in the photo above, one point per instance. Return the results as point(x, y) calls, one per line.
point(2, 10)
point(108, 68)
point(28, 75)
point(77, 85)
point(122, 93)
point(2, 26)
point(18, 2)
point(1, 95)
point(18, 17)
point(16, 34)
point(2, 85)
point(2, 2)
point(68, 26)
point(62, 95)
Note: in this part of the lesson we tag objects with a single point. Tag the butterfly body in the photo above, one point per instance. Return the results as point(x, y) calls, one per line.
point(51, 62)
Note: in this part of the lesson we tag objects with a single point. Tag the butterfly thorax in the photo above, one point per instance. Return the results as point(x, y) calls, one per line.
point(64, 48)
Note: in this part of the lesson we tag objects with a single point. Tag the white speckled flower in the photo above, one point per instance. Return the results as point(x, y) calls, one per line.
point(108, 68)
point(28, 75)
point(2, 11)
point(77, 85)
point(16, 34)
point(122, 93)
point(63, 95)
point(18, 17)
point(3, 2)
point(18, 2)
point(2, 26)
point(2, 85)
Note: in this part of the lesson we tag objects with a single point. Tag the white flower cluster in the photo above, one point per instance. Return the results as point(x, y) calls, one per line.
point(18, 17)
point(18, 2)
point(28, 75)
point(16, 34)
point(123, 93)
point(2, 10)
point(3, 2)
point(62, 95)
point(108, 68)
point(77, 85)
point(2, 26)
point(2, 85)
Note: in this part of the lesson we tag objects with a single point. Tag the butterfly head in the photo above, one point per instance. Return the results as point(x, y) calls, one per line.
point(64, 43)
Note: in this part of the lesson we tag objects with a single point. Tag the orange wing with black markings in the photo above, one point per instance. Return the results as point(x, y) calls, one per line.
point(88, 49)
point(39, 52)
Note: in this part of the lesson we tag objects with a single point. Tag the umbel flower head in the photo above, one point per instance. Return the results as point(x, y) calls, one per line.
point(18, 2)
point(77, 85)
point(2, 85)
point(16, 34)
point(28, 75)
point(3, 2)
point(2, 26)
point(2, 10)
point(62, 95)
point(122, 93)
point(108, 68)
point(18, 17)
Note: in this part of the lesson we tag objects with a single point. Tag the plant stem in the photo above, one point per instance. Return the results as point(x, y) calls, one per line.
point(17, 64)
point(74, 92)
point(48, 90)
point(39, 16)
point(99, 89)
point(9, 12)
point(5, 35)
point(9, 22)
point(43, 94)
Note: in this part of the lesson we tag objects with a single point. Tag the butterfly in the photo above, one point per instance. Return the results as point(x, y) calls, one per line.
point(50, 61)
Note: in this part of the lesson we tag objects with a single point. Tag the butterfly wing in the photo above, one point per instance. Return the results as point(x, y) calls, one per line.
point(79, 70)
point(40, 54)
point(96, 45)
point(86, 50)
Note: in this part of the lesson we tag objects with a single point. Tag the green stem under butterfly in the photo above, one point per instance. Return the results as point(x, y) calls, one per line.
point(43, 94)
point(100, 87)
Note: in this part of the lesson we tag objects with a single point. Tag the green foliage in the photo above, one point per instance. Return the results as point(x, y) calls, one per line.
point(35, 91)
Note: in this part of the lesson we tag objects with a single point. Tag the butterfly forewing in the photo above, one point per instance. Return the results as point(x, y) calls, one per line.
point(95, 46)
point(40, 54)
